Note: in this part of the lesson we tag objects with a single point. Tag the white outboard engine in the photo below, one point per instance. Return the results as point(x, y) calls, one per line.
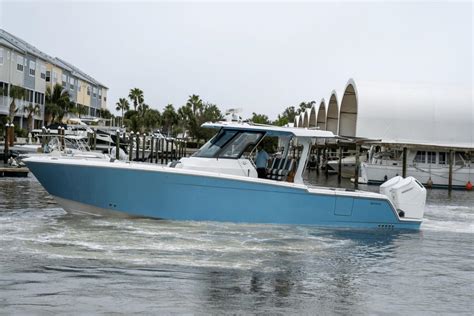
point(408, 196)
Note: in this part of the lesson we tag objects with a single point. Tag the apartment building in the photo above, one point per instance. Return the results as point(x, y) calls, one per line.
point(23, 65)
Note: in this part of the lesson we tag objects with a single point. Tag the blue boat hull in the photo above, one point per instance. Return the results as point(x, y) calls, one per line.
point(176, 195)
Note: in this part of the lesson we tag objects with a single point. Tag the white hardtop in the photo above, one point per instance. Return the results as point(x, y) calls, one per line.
point(272, 130)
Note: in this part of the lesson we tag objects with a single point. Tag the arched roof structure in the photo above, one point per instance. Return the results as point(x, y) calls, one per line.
point(301, 120)
point(307, 113)
point(408, 114)
point(332, 117)
point(321, 117)
point(313, 117)
point(296, 121)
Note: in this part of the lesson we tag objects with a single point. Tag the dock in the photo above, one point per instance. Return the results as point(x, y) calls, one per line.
point(13, 172)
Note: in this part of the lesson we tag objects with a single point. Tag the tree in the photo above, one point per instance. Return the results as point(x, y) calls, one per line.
point(195, 103)
point(142, 108)
point(136, 96)
point(16, 93)
point(305, 105)
point(81, 110)
point(286, 117)
point(169, 118)
point(31, 110)
point(122, 105)
point(58, 103)
point(260, 118)
point(151, 119)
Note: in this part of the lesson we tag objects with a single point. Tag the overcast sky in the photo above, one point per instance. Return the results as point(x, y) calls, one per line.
point(261, 57)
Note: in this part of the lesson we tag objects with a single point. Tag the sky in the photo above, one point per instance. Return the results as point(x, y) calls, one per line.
point(257, 56)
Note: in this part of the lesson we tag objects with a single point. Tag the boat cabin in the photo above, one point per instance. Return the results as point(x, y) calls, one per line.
point(233, 151)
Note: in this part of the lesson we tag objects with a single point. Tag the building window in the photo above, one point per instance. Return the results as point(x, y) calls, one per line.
point(105, 98)
point(442, 158)
point(43, 72)
point(88, 90)
point(1, 56)
point(431, 157)
point(19, 63)
point(32, 68)
point(64, 80)
point(48, 76)
point(55, 77)
point(94, 92)
point(420, 156)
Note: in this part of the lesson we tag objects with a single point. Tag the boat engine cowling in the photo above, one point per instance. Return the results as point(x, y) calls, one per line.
point(408, 196)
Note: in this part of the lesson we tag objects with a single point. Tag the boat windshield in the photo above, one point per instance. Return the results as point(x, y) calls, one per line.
point(229, 144)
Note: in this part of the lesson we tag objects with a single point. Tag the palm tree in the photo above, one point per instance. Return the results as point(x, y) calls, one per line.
point(122, 105)
point(16, 93)
point(169, 118)
point(31, 110)
point(195, 103)
point(58, 103)
point(136, 96)
point(81, 110)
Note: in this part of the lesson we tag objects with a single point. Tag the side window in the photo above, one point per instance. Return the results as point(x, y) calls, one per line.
point(431, 157)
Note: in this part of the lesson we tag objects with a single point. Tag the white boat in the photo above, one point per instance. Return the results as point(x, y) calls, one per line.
point(347, 166)
point(220, 183)
point(430, 167)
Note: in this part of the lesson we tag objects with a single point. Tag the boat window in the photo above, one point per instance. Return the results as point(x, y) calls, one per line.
point(442, 158)
point(420, 156)
point(212, 147)
point(431, 157)
point(239, 144)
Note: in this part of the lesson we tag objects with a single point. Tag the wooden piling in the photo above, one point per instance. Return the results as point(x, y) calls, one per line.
point(162, 146)
point(326, 160)
point(137, 147)
point(143, 147)
point(166, 159)
point(130, 151)
point(339, 166)
point(94, 138)
point(11, 137)
point(450, 175)
point(7, 142)
point(157, 145)
point(117, 145)
point(151, 148)
point(404, 163)
point(357, 166)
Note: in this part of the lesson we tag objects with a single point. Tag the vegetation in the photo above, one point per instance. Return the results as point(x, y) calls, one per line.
point(58, 104)
point(31, 110)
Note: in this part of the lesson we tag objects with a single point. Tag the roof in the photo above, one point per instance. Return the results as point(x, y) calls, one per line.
point(17, 43)
point(272, 130)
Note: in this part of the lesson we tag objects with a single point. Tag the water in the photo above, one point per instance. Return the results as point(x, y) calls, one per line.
point(54, 262)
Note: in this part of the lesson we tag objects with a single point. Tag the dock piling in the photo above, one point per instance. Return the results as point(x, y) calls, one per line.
point(130, 151)
point(151, 148)
point(143, 147)
point(404, 163)
point(117, 144)
point(450, 175)
point(339, 166)
point(7, 142)
point(137, 148)
point(356, 172)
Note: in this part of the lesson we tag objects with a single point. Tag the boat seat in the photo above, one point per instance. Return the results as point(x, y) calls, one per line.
point(281, 170)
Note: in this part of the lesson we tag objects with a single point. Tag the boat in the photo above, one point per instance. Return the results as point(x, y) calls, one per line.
point(348, 165)
point(220, 183)
point(429, 166)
